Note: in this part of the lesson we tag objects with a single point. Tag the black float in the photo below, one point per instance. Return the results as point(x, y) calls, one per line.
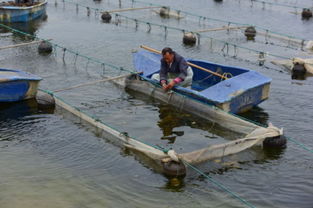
point(174, 169)
point(45, 48)
point(306, 13)
point(298, 71)
point(45, 101)
point(276, 142)
point(164, 12)
point(106, 17)
point(189, 38)
point(250, 33)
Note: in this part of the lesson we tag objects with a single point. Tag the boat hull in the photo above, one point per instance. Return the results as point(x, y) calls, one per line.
point(239, 101)
point(22, 14)
point(239, 92)
point(18, 90)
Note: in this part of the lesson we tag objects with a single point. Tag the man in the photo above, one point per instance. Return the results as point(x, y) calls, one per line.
point(174, 70)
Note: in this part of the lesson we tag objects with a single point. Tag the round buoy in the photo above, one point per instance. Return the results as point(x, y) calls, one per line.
point(261, 58)
point(298, 69)
point(45, 47)
point(306, 13)
point(45, 101)
point(106, 17)
point(250, 33)
point(278, 141)
point(218, 0)
point(189, 38)
point(174, 169)
point(164, 11)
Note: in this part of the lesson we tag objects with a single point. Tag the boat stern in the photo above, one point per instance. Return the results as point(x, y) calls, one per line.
point(248, 99)
point(240, 93)
point(32, 89)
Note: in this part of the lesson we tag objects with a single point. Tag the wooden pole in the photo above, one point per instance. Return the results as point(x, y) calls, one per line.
point(281, 37)
point(190, 64)
point(220, 28)
point(130, 9)
point(93, 82)
point(22, 44)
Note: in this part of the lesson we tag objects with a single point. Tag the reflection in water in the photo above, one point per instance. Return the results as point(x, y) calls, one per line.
point(175, 184)
point(30, 27)
point(272, 153)
point(297, 76)
point(170, 119)
point(15, 110)
point(256, 114)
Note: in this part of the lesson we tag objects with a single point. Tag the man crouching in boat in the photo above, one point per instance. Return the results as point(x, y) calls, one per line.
point(174, 70)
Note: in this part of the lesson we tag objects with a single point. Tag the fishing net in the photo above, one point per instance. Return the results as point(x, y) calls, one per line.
point(256, 137)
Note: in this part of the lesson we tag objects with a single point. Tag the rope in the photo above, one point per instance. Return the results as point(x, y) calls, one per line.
point(220, 185)
point(91, 83)
point(21, 44)
point(227, 75)
point(303, 146)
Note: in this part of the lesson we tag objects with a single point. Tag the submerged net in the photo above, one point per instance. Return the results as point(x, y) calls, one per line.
point(256, 137)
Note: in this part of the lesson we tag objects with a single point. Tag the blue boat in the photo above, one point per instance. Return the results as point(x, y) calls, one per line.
point(17, 85)
point(11, 12)
point(239, 92)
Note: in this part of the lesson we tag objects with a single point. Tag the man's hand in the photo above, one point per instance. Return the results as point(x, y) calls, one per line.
point(164, 86)
point(169, 86)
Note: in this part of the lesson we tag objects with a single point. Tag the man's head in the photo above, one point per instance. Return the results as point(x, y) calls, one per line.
point(168, 55)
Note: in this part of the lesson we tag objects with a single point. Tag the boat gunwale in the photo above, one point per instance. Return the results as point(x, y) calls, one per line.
point(20, 75)
point(23, 8)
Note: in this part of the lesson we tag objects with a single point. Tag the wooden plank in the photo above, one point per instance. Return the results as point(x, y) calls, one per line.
point(219, 29)
point(22, 44)
point(93, 82)
point(130, 9)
